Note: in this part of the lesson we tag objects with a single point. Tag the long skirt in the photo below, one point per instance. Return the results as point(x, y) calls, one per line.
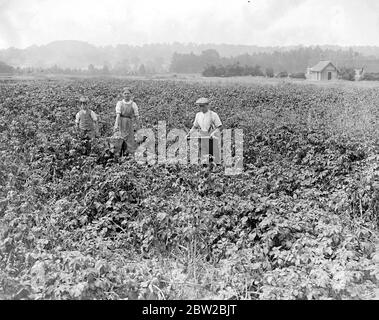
point(127, 134)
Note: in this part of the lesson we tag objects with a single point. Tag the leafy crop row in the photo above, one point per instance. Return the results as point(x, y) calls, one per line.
point(299, 223)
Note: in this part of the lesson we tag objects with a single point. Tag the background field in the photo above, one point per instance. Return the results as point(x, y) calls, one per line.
point(299, 223)
point(197, 78)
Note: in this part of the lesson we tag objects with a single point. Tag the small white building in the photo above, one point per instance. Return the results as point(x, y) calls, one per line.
point(324, 70)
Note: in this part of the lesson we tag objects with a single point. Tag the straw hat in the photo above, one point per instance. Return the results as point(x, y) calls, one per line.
point(202, 101)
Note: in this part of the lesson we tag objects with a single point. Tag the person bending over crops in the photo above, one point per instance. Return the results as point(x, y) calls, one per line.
point(86, 120)
point(208, 124)
point(126, 116)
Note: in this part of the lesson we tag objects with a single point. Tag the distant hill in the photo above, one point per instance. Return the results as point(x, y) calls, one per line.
point(68, 54)
point(4, 68)
point(79, 54)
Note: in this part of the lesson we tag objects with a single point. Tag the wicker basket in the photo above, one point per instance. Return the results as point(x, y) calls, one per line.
point(115, 143)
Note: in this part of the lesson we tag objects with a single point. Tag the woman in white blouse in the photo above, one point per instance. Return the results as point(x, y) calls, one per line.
point(126, 116)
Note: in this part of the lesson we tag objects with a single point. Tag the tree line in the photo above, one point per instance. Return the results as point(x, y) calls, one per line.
point(292, 61)
point(236, 70)
point(90, 70)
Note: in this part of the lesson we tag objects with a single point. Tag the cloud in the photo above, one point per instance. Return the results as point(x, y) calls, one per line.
point(8, 32)
point(261, 22)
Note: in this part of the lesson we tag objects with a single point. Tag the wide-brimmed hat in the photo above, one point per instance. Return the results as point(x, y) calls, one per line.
point(202, 101)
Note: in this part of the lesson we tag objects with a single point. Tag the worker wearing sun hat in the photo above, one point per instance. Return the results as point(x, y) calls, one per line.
point(86, 120)
point(209, 125)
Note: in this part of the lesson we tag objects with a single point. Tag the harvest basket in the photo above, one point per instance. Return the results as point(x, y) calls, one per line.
point(115, 143)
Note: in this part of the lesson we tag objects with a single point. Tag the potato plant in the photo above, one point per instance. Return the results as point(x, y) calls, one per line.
point(298, 223)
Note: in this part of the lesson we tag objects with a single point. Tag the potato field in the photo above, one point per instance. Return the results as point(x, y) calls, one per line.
point(299, 223)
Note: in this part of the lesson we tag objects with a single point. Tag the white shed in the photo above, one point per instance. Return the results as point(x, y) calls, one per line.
point(324, 70)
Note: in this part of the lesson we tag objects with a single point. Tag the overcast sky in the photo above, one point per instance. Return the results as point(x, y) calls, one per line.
point(260, 22)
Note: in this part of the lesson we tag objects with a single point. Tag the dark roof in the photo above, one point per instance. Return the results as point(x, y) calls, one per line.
point(321, 66)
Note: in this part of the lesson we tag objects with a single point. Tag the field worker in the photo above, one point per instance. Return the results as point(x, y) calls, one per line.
point(208, 124)
point(126, 116)
point(86, 120)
